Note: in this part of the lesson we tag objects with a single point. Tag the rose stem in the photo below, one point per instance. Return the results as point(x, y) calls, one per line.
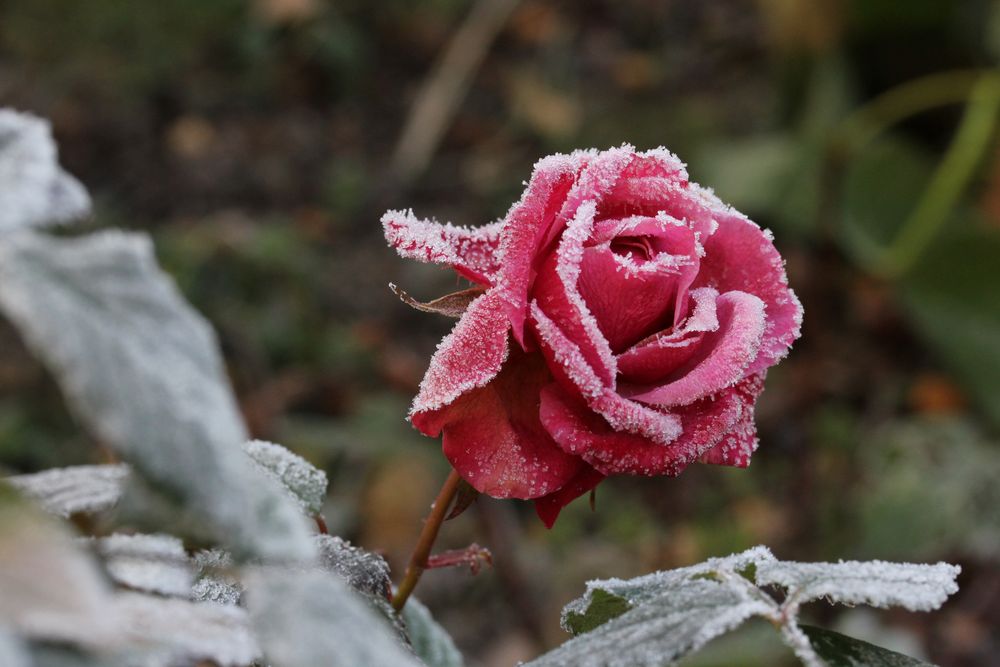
point(422, 551)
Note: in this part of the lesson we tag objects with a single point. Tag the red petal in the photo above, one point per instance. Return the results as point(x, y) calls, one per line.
point(548, 507)
point(472, 252)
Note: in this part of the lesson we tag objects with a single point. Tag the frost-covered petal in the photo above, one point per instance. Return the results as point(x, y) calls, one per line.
point(469, 357)
point(548, 507)
point(740, 442)
point(471, 251)
point(723, 357)
point(494, 439)
point(740, 256)
point(647, 360)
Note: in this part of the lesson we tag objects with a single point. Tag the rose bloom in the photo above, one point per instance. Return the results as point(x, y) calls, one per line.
point(626, 322)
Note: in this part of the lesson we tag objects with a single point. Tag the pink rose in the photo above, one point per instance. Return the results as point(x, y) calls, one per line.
point(627, 323)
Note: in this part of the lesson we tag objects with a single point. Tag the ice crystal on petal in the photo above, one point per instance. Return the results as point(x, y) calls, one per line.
point(471, 251)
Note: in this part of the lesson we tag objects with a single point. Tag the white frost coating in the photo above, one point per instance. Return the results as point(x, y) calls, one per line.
point(430, 641)
point(50, 588)
point(216, 580)
point(34, 190)
point(309, 618)
point(184, 632)
point(670, 614)
point(67, 491)
point(363, 570)
point(143, 371)
point(150, 563)
point(13, 652)
point(875, 583)
point(305, 482)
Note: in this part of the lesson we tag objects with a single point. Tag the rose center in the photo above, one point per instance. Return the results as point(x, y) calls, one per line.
point(634, 247)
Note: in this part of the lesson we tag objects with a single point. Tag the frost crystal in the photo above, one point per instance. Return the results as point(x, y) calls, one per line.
point(305, 482)
point(215, 582)
point(67, 491)
point(34, 190)
point(363, 570)
point(151, 563)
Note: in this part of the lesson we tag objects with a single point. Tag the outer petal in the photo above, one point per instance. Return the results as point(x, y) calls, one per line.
point(494, 439)
point(468, 358)
point(740, 256)
point(741, 442)
point(548, 507)
point(706, 423)
point(472, 252)
point(721, 362)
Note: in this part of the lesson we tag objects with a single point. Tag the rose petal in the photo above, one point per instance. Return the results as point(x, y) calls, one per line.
point(472, 252)
point(741, 442)
point(740, 256)
point(723, 358)
point(650, 359)
point(548, 507)
point(469, 357)
point(493, 436)
point(578, 430)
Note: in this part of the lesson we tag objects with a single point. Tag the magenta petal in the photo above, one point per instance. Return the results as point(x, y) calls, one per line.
point(740, 256)
point(548, 507)
point(741, 441)
point(723, 358)
point(494, 439)
point(472, 252)
point(468, 358)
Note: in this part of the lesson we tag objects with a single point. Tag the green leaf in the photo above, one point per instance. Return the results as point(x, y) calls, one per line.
point(68, 491)
point(603, 607)
point(430, 641)
point(306, 483)
point(951, 297)
point(842, 651)
point(142, 369)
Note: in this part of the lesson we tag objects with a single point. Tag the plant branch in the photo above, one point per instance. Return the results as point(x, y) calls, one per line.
point(422, 551)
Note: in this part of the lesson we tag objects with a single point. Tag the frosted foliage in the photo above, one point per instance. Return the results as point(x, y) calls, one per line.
point(682, 616)
point(50, 588)
point(309, 618)
point(875, 583)
point(430, 641)
point(34, 190)
point(184, 632)
point(12, 651)
point(363, 570)
point(143, 370)
point(215, 582)
point(151, 563)
point(656, 619)
point(68, 491)
point(306, 483)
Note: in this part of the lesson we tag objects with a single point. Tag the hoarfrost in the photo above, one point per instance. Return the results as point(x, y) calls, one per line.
point(305, 482)
point(364, 571)
point(67, 491)
point(309, 618)
point(151, 563)
point(430, 641)
point(34, 190)
point(215, 581)
point(143, 370)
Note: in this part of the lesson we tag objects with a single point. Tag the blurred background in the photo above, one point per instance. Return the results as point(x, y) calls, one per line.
point(259, 142)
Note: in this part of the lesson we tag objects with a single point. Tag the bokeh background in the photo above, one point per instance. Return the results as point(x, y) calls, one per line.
point(259, 142)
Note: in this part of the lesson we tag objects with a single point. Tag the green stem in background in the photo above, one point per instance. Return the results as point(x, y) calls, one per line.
point(950, 179)
point(980, 90)
point(422, 551)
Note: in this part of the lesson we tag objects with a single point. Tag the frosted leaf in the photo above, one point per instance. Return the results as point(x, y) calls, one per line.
point(364, 571)
point(875, 583)
point(176, 631)
point(216, 582)
point(150, 563)
point(142, 369)
point(659, 626)
point(305, 482)
point(34, 190)
point(309, 618)
point(67, 491)
point(51, 588)
point(430, 641)
point(13, 652)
